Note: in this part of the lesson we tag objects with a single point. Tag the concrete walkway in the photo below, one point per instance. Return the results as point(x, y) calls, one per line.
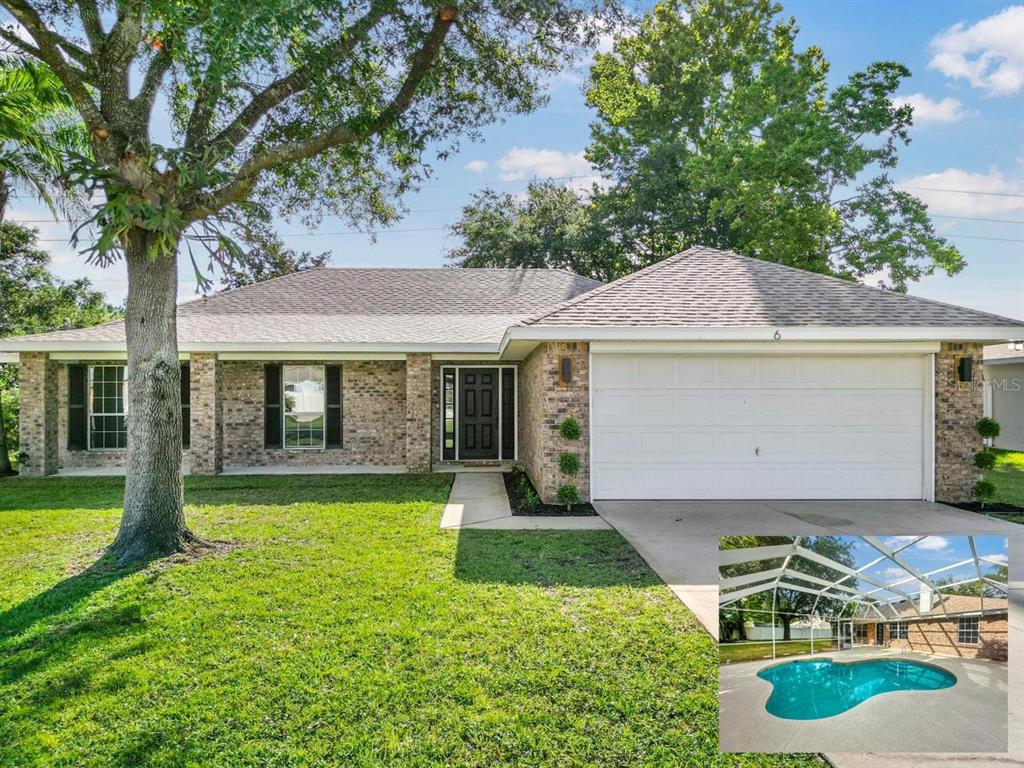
point(479, 500)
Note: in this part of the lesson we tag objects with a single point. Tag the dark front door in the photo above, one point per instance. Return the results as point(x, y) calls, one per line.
point(880, 634)
point(478, 413)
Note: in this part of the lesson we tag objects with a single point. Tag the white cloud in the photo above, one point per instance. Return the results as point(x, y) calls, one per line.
point(524, 163)
point(476, 166)
point(988, 54)
point(998, 558)
point(934, 189)
point(933, 543)
point(895, 541)
point(947, 110)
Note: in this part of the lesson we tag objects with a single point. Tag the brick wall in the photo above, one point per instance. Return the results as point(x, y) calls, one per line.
point(418, 397)
point(206, 407)
point(940, 636)
point(543, 404)
point(38, 425)
point(958, 406)
point(373, 423)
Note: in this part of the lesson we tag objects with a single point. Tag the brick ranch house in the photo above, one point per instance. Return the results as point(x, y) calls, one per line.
point(708, 375)
point(955, 625)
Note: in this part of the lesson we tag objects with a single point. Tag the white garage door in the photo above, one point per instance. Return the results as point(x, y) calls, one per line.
point(746, 427)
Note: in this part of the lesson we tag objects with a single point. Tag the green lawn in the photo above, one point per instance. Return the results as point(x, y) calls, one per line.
point(730, 652)
point(1008, 477)
point(344, 629)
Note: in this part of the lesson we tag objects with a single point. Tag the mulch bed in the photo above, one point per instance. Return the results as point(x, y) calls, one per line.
point(517, 484)
point(996, 509)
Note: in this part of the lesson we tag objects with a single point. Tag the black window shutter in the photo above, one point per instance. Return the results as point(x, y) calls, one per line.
point(272, 406)
point(78, 412)
point(333, 413)
point(186, 406)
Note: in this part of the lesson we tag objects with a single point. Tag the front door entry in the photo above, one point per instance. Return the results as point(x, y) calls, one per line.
point(880, 634)
point(478, 413)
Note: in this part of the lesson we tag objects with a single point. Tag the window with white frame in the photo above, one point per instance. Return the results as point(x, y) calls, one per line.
point(304, 399)
point(967, 632)
point(898, 630)
point(108, 407)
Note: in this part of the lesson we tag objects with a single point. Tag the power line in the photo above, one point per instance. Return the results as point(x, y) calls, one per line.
point(963, 191)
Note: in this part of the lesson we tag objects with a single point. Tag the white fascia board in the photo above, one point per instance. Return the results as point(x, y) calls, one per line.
point(69, 357)
point(766, 347)
point(1003, 360)
point(13, 345)
point(301, 356)
point(9, 357)
point(985, 334)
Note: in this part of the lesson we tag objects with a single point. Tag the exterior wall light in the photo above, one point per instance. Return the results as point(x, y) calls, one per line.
point(964, 369)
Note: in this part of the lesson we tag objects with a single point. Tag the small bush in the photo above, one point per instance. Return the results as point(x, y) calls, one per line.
point(569, 463)
point(570, 429)
point(988, 428)
point(984, 491)
point(530, 499)
point(984, 459)
point(568, 495)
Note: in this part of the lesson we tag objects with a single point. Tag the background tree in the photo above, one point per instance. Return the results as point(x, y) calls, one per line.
point(264, 255)
point(790, 604)
point(550, 226)
point(713, 128)
point(33, 300)
point(306, 105)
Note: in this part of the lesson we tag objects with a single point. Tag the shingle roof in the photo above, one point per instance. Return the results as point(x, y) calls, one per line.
point(1008, 351)
point(704, 287)
point(954, 604)
point(341, 305)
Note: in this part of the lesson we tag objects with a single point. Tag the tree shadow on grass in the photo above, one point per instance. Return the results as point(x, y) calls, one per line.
point(60, 626)
point(589, 559)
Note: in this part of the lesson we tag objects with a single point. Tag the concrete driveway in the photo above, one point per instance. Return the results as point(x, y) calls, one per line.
point(679, 540)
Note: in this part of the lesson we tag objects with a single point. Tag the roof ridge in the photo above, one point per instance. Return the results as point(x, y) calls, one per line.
point(858, 284)
point(605, 287)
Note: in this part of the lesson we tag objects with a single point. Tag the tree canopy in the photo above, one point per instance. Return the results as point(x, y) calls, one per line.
point(34, 300)
point(263, 255)
point(713, 127)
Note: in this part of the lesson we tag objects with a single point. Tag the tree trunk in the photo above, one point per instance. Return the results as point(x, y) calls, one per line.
point(153, 523)
point(741, 624)
point(785, 627)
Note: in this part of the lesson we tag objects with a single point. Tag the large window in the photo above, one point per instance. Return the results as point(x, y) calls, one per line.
point(303, 406)
point(967, 632)
point(107, 407)
point(898, 630)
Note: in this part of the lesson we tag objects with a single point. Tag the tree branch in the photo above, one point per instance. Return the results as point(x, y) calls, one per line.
point(89, 13)
point(154, 77)
point(295, 82)
point(115, 60)
point(48, 51)
point(341, 134)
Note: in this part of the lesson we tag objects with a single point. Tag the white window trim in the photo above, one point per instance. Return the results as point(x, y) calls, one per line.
point(977, 631)
point(501, 425)
point(284, 411)
point(895, 628)
point(88, 406)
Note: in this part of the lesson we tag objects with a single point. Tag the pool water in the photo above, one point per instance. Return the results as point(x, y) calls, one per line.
point(811, 690)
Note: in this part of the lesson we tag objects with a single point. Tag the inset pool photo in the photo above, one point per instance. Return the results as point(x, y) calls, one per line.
point(863, 643)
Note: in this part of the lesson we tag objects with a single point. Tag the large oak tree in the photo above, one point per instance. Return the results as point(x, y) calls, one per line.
point(713, 126)
point(308, 106)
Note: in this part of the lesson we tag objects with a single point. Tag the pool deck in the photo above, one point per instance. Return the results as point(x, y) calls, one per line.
point(969, 717)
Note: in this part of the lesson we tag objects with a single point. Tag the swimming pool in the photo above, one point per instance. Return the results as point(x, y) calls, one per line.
point(811, 690)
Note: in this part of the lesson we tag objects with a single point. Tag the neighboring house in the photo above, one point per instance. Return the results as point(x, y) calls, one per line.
point(1004, 375)
point(708, 375)
point(955, 625)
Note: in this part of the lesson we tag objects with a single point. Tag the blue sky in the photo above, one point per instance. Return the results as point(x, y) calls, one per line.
point(928, 555)
point(967, 60)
